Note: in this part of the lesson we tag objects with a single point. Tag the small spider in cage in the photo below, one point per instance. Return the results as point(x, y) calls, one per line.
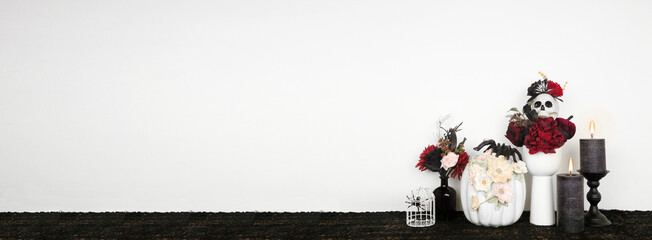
point(414, 202)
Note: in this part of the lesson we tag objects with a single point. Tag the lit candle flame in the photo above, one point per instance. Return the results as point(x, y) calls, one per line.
point(592, 128)
point(570, 166)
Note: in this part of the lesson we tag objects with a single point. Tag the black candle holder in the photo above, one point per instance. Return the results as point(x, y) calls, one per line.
point(594, 218)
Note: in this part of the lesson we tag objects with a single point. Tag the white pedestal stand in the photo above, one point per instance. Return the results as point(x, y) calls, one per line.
point(542, 166)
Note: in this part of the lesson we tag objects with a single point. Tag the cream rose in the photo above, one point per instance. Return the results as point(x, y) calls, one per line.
point(449, 160)
point(499, 169)
point(475, 203)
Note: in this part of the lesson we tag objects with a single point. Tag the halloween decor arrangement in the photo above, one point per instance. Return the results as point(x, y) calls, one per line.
point(541, 134)
point(449, 159)
point(493, 187)
point(538, 126)
point(420, 212)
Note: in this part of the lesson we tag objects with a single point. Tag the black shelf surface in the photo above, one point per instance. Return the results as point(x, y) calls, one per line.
point(304, 225)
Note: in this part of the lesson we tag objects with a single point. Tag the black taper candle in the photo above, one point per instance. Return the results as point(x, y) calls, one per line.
point(592, 155)
point(570, 203)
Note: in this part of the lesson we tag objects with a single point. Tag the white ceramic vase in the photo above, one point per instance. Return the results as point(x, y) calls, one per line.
point(542, 167)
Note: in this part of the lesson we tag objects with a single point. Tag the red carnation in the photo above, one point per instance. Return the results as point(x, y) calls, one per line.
point(554, 89)
point(544, 136)
point(461, 164)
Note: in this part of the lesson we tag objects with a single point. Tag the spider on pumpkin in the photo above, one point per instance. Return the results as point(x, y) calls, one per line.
point(500, 149)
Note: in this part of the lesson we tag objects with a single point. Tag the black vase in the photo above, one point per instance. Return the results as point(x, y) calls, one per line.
point(445, 200)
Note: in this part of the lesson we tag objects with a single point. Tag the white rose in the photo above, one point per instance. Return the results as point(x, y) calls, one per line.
point(482, 182)
point(520, 167)
point(474, 170)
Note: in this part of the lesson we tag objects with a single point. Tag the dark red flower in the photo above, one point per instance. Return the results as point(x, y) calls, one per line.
point(430, 159)
point(554, 89)
point(566, 127)
point(544, 136)
point(460, 166)
point(515, 134)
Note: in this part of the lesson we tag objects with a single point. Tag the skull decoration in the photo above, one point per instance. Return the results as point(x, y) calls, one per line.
point(540, 110)
point(545, 105)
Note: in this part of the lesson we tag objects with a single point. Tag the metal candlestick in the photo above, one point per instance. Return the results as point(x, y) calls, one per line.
point(594, 218)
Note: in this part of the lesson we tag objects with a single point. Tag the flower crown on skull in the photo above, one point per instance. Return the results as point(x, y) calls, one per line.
point(545, 86)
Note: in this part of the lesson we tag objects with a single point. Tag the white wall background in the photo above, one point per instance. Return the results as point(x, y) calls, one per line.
point(297, 105)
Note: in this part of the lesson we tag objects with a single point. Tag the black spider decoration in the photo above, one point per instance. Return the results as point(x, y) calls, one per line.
point(500, 149)
point(414, 201)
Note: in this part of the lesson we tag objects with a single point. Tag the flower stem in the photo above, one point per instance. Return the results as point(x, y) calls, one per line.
point(486, 200)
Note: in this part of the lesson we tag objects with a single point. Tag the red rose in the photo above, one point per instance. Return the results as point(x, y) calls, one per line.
point(544, 136)
point(554, 89)
point(461, 164)
point(515, 134)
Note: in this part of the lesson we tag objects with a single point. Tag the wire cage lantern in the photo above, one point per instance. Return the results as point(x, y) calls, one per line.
point(420, 210)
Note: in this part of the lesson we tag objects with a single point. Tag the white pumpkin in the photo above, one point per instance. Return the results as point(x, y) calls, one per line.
point(487, 214)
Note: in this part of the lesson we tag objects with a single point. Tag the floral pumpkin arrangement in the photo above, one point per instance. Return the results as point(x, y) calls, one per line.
point(493, 187)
